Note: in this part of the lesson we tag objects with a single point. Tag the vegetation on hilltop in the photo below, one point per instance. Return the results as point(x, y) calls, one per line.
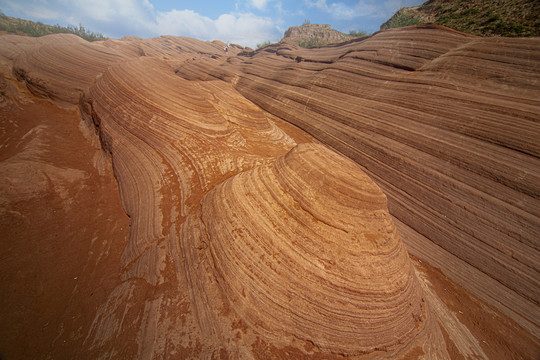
point(479, 17)
point(311, 42)
point(36, 29)
point(358, 33)
point(402, 17)
point(316, 35)
point(264, 44)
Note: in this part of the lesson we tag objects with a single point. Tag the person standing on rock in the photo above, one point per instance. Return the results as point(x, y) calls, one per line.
point(226, 48)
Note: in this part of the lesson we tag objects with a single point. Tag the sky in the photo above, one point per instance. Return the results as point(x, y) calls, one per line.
point(243, 22)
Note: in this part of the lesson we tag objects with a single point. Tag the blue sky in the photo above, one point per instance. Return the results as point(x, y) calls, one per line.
point(244, 22)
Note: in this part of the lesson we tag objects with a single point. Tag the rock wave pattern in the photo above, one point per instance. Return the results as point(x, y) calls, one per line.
point(250, 238)
point(288, 268)
point(155, 124)
point(446, 124)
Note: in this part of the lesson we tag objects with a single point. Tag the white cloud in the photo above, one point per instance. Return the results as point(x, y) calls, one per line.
point(185, 22)
point(118, 18)
point(38, 10)
point(335, 9)
point(259, 4)
point(341, 11)
point(244, 28)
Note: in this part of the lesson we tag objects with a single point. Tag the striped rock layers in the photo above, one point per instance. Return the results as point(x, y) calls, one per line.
point(305, 248)
point(326, 264)
point(446, 124)
point(243, 243)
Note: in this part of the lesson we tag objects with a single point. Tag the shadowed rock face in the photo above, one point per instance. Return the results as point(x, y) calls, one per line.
point(250, 239)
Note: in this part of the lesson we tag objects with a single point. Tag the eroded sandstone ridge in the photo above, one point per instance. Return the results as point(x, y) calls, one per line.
point(446, 124)
point(289, 270)
point(248, 237)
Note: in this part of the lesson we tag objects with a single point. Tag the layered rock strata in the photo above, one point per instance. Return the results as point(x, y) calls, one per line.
point(290, 267)
point(446, 124)
point(243, 243)
point(171, 141)
point(156, 137)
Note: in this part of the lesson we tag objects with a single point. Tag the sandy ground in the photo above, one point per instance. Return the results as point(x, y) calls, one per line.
point(62, 230)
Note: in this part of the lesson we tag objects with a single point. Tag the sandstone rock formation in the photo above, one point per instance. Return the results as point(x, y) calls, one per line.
point(250, 237)
point(317, 33)
point(446, 124)
point(289, 270)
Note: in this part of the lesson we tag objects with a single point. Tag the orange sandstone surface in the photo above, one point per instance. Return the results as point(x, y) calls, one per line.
point(160, 198)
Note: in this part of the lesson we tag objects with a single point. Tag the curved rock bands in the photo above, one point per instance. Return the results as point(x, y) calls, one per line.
point(156, 124)
point(142, 90)
point(61, 67)
point(300, 248)
point(452, 143)
point(238, 243)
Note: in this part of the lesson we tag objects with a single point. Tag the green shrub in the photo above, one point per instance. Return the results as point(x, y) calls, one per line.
point(263, 45)
point(400, 19)
point(36, 29)
point(359, 33)
point(312, 42)
point(493, 17)
point(470, 11)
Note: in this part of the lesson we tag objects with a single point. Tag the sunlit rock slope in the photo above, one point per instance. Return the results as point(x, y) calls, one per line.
point(259, 225)
point(446, 124)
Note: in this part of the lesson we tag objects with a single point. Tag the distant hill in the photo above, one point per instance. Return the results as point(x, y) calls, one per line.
point(17, 26)
point(479, 17)
point(315, 35)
